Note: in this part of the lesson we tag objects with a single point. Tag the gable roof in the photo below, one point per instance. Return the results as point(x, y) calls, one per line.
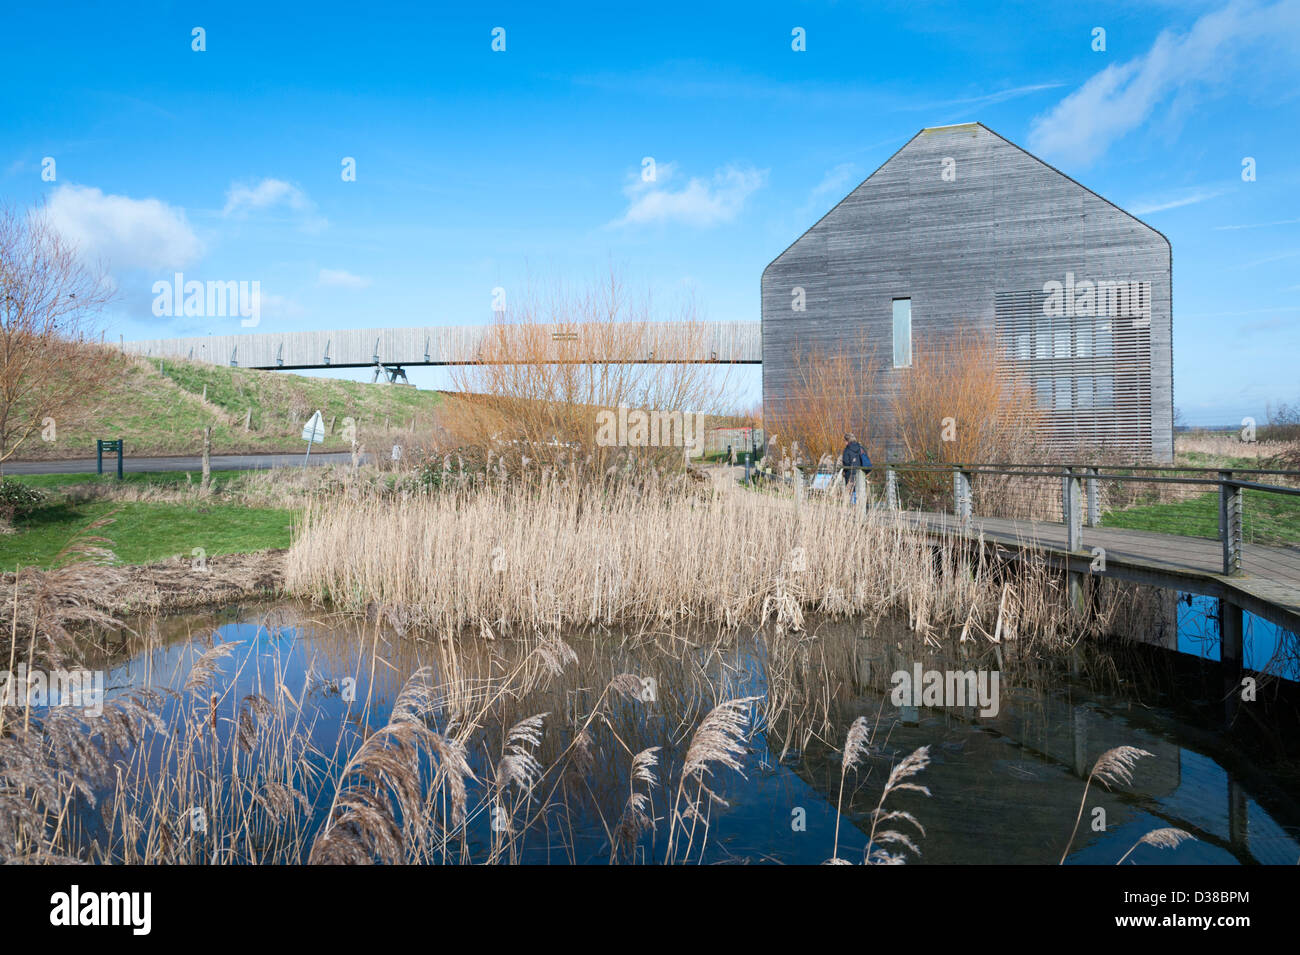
point(930, 130)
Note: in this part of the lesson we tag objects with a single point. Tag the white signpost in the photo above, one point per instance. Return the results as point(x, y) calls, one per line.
point(313, 432)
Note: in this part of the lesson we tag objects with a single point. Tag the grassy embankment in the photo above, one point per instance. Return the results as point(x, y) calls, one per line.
point(164, 412)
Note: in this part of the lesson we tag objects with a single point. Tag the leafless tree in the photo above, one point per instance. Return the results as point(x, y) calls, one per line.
point(49, 298)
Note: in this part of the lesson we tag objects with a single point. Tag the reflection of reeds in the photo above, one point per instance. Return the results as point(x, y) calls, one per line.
point(557, 742)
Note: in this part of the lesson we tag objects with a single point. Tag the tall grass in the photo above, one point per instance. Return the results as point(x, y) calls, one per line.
point(516, 558)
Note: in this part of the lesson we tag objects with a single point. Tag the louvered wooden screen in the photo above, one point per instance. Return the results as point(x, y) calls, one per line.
point(1090, 373)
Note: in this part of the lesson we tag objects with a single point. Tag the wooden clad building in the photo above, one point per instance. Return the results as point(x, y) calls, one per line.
point(963, 227)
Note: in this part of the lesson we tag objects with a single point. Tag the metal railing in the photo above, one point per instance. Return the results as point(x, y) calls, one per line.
point(1205, 503)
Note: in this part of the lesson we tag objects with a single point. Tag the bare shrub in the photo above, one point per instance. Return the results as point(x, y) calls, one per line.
point(828, 397)
point(550, 364)
point(48, 298)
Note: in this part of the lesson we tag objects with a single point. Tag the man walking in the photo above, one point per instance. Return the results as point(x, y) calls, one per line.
point(853, 458)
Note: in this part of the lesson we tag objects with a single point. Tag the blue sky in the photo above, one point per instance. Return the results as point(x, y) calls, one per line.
point(478, 169)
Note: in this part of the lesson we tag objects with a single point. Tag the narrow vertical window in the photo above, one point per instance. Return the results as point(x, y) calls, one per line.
point(902, 333)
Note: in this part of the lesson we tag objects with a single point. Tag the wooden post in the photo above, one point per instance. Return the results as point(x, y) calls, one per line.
point(1094, 499)
point(860, 488)
point(206, 485)
point(1072, 513)
point(330, 429)
point(798, 486)
point(891, 488)
point(962, 498)
point(1230, 530)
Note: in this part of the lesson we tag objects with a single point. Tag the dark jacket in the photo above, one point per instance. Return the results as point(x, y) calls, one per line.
point(855, 455)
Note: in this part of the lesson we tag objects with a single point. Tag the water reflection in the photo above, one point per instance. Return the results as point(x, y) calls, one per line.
point(1267, 648)
point(1005, 788)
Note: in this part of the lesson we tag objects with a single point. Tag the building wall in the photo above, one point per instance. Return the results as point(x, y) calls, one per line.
point(1006, 223)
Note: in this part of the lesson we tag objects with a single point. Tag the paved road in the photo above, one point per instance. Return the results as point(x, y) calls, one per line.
point(220, 462)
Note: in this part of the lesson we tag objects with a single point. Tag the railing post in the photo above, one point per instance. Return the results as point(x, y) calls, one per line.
point(961, 497)
point(1230, 502)
point(891, 488)
point(1094, 499)
point(1222, 475)
point(1072, 514)
point(860, 488)
point(1072, 511)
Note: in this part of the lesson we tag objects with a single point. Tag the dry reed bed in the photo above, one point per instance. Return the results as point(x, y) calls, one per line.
point(512, 559)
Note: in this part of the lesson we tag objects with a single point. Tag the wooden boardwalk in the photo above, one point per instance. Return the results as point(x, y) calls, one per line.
point(1268, 587)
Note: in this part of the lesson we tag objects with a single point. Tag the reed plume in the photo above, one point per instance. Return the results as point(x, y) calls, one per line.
point(1113, 767)
point(1167, 838)
point(719, 739)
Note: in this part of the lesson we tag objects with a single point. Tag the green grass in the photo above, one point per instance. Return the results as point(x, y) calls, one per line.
point(1269, 518)
point(160, 408)
point(1203, 459)
point(56, 482)
point(146, 532)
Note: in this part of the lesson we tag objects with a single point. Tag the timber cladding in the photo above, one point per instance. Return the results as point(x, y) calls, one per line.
point(975, 231)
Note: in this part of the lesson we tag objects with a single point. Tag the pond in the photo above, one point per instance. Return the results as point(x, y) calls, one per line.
point(1005, 781)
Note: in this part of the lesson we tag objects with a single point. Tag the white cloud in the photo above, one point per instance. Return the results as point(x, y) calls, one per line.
point(1258, 225)
point(279, 307)
point(834, 184)
point(1177, 71)
point(124, 233)
point(243, 199)
point(699, 202)
point(1146, 207)
point(340, 278)
point(989, 99)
